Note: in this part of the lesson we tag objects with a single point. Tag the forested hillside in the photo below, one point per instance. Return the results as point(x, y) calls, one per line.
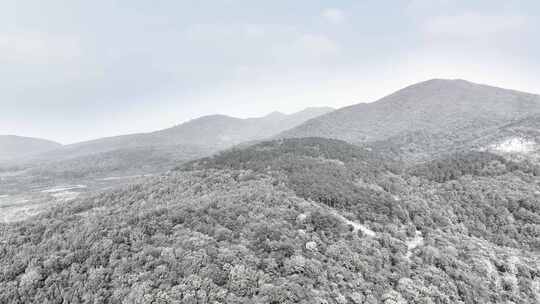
point(382, 191)
point(290, 221)
point(521, 136)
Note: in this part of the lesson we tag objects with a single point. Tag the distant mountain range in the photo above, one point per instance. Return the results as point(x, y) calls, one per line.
point(417, 123)
point(12, 146)
point(145, 153)
point(208, 133)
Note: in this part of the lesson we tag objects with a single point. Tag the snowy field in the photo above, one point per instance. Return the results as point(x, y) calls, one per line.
point(515, 145)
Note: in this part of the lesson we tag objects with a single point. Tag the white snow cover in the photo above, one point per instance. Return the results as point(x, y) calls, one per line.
point(65, 196)
point(356, 226)
point(112, 178)
point(63, 189)
point(515, 145)
point(414, 243)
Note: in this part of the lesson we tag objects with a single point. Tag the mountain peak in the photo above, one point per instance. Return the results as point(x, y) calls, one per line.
point(275, 114)
point(446, 80)
point(436, 105)
point(441, 83)
point(316, 109)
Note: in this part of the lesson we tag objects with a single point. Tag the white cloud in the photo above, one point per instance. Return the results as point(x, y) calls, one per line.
point(284, 43)
point(254, 30)
point(423, 6)
point(212, 32)
point(37, 48)
point(307, 47)
point(334, 15)
point(317, 44)
point(472, 25)
point(204, 32)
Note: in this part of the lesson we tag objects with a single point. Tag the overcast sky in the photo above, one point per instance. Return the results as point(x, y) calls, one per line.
point(75, 70)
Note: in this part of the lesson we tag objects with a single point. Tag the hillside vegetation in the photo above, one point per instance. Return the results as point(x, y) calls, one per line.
point(427, 196)
point(294, 221)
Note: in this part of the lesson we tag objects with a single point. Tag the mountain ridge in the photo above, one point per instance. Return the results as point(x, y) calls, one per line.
point(435, 105)
point(207, 132)
point(211, 131)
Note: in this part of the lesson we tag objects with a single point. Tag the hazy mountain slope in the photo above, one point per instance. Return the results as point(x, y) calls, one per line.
point(16, 146)
point(139, 154)
point(208, 132)
point(433, 106)
point(223, 131)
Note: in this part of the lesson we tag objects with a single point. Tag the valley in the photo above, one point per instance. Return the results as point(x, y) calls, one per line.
point(23, 199)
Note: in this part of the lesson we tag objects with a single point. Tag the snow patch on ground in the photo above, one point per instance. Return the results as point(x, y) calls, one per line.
point(514, 145)
point(112, 178)
point(63, 189)
point(331, 161)
point(66, 196)
point(15, 208)
point(94, 211)
point(363, 184)
point(13, 201)
point(356, 226)
point(12, 215)
point(414, 243)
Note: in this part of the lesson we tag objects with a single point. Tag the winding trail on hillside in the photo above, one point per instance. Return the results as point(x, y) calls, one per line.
point(411, 243)
point(356, 226)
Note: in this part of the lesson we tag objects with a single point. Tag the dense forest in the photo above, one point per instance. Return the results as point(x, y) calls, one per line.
point(290, 221)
